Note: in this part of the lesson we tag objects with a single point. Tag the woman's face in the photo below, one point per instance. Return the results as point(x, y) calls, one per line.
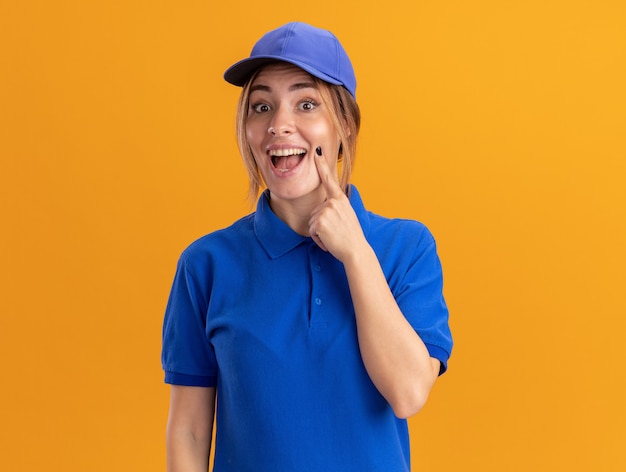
point(287, 120)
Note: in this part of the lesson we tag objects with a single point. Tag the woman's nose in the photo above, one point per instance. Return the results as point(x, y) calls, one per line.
point(281, 123)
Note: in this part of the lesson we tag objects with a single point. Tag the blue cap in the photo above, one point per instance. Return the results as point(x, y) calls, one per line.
point(314, 50)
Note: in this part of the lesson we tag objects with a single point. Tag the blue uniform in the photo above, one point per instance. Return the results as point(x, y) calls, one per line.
point(266, 316)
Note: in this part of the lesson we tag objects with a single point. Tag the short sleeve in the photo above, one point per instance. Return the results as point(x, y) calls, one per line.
point(420, 298)
point(187, 356)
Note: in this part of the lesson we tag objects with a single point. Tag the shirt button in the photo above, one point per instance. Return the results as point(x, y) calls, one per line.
point(318, 268)
point(318, 301)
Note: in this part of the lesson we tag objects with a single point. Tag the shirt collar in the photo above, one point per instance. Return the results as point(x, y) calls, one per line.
point(278, 239)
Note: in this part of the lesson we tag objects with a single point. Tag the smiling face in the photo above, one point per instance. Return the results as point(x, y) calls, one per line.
point(286, 121)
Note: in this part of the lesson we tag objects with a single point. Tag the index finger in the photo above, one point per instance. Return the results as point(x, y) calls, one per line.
point(329, 181)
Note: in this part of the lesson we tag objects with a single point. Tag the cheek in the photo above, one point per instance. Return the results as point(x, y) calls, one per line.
point(254, 142)
point(256, 129)
point(325, 132)
point(320, 128)
point(251, 134)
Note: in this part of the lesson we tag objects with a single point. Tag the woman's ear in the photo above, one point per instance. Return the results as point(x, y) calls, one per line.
point(346, 128)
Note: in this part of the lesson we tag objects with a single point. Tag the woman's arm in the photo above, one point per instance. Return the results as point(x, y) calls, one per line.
point(395, 357)
point(189, 428)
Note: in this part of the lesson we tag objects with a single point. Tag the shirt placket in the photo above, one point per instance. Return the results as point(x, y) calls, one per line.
point(317, 300)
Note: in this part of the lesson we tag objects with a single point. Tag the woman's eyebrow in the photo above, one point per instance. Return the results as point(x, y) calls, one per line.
point(263, 88)
point(292, 88)
point(301, 85)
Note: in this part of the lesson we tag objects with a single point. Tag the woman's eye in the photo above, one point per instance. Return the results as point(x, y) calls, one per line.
point(308, 105)
point(261, 108)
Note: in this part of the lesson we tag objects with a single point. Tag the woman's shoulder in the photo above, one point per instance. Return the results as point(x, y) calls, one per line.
point(388, 230)
point(399, 230)
point(222, 240)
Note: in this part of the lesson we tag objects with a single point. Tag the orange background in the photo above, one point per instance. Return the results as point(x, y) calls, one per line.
point(498, 124)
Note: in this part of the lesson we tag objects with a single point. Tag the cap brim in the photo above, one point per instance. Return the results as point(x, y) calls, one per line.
point(240, 72)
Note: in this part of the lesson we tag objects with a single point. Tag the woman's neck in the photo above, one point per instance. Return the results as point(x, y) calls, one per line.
point(296, 213)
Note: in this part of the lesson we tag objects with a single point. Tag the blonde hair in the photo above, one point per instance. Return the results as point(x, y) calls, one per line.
point(346, 117)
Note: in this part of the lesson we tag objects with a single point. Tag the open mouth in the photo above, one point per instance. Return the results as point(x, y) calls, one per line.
point(284, 160)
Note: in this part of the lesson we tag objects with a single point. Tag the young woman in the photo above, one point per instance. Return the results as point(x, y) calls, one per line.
point(315, 326)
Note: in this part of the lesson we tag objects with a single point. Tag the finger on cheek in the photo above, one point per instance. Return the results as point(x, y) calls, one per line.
point(323, 169)
point(319, 162)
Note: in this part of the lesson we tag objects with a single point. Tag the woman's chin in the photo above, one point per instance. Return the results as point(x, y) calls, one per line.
point(292, 191)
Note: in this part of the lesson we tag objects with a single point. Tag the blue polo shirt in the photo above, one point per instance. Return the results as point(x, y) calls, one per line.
point(266, 316)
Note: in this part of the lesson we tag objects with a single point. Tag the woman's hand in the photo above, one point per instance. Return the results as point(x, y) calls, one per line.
point(395, 357)
point(334, 225)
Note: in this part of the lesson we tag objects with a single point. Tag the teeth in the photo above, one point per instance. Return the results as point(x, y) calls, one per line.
point(286, 152)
